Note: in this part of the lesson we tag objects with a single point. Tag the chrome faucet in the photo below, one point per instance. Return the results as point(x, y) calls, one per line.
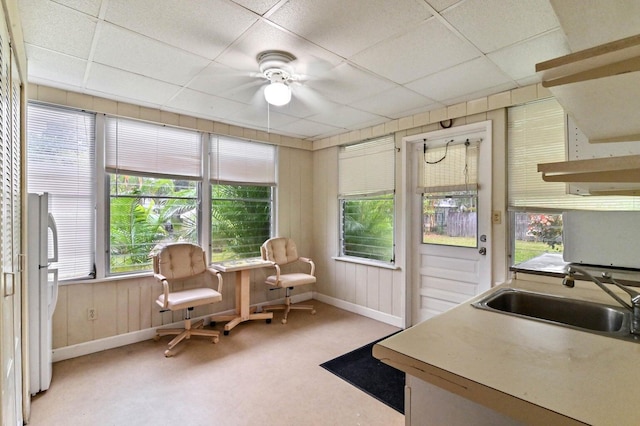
point(634, 307)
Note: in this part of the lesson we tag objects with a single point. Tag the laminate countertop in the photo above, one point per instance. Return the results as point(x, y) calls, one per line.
point(532, 371)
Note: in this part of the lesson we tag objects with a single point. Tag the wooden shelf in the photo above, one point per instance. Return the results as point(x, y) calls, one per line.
point(624, 169)
point(599, 88)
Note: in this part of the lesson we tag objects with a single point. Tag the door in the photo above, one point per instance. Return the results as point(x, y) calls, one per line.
point(10, 238)
point(449, 219)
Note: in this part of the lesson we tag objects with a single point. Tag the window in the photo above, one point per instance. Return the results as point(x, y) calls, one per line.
point(449, 187)
point(61, 161)
point(158, 184)
point(154, 178)
point(366, 189)
point(242, 176)
point(536, 134)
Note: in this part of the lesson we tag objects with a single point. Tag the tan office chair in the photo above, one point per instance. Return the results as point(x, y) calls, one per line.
point(182, 262)
point(282, 251)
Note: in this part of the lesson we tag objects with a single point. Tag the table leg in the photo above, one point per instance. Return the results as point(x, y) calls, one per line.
point(243, 308)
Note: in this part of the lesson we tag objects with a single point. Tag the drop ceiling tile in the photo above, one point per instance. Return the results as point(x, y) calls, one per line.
point(56, 27)
point(225, 82)
point(428, 48)
point(346, 84)
point(440, 5)
point(347, 117)
point(589, 23)
point(392, 103)
point(519, 60)
point(125, 85)
point(55, 67)
point(347, 27)
point(259, 117)
point(203, 27)
point(493, 24)
point(203, 105)
point(90, 7)
point(307, 129)
point(120, 48)
point(456, 82)
point(258, 6)
point(482, 93)
point(311, 60)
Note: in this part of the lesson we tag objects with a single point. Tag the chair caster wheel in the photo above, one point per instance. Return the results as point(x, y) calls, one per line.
point(168, 353)
point(313, 312)
point(212, 323)
point(226, 332)
point(268, 320)
point(284, 320)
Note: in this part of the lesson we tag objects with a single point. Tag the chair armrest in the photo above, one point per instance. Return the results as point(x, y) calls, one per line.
point(165, 289)
point(310, 262)
point(219, 276)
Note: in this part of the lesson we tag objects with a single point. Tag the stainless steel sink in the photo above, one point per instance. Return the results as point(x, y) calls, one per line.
point(577, 314)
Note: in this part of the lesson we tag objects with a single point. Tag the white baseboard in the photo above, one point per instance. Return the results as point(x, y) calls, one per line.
point(98, 345)
point(111, 342)
point(360, 310)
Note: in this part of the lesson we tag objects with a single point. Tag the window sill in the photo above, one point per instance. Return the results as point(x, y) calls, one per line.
point(368, 262)
point(112, 278)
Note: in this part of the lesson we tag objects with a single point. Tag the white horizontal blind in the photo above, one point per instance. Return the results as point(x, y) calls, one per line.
point(449, 167)
point(241, 162)
point(61, 161)
point(367, 168)
point(138, 147)
point(536, 134)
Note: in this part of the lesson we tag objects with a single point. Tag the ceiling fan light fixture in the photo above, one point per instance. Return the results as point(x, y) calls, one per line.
point(277, 93)
point(274, 65)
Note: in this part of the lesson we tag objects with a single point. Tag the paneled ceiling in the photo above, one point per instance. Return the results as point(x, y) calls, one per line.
point(358, 63)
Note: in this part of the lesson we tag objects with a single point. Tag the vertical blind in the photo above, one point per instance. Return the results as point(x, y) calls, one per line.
point(367, 168)
point(61, 161)
point(449, 167)
point(136, 146)
point(536, 134)
point(241, 162)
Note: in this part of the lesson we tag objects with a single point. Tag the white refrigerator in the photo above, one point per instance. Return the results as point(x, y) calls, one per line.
point(42, 252)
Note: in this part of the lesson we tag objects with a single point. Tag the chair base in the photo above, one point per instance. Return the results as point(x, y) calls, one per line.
point(189, 330)
point(287, 307)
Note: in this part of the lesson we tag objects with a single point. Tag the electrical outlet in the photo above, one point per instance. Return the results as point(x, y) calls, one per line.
point(92, 314)
point(496, 217)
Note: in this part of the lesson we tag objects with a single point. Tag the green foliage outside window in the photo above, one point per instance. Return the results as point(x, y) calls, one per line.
point(146, 213)
point(367, 227)
point(240, 220)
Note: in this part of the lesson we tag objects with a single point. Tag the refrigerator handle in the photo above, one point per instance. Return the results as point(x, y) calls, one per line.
point(54, 232)
point(54, 295)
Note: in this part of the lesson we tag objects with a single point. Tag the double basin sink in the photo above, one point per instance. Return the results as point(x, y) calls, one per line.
point(606, 320)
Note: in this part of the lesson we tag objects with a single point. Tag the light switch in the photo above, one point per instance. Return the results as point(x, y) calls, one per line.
point(496, 217)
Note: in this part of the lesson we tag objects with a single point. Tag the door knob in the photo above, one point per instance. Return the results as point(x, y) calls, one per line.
point(483, 251)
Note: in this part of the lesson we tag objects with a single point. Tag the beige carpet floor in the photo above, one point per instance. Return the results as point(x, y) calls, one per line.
point(260, 374)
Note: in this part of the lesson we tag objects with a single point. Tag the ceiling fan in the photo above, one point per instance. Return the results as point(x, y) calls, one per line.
point(275, 66)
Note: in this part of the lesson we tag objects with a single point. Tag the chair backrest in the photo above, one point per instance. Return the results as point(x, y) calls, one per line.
point(280, 250)
point(180, 260)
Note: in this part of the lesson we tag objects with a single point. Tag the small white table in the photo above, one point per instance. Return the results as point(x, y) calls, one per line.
point(242, 268)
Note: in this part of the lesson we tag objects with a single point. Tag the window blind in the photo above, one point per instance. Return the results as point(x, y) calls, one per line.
point(241, 162)
point(536, 134)
point(61, 161)
point(449, 167)
point(134, 147)
point(367, 168)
